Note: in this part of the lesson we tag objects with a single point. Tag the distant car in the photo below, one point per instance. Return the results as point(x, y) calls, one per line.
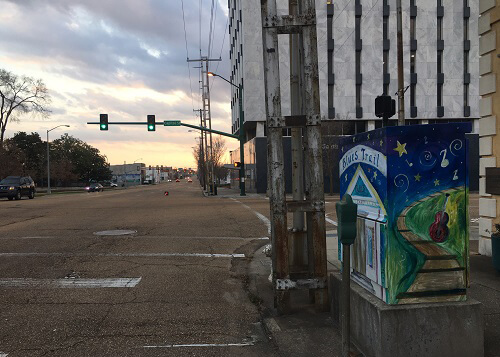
point(169, 180)
point(14, 187)
point(112, 184)
point(189, 180)
point(177, 180)
point(94, 187)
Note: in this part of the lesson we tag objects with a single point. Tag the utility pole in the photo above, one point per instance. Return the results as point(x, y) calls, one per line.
point(401, 79)
point(298, 242)
point(310, 122)
point(201, 151)
point(205, 86)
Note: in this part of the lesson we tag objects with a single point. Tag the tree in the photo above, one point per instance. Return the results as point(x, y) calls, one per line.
point(21, 95)
point(198, 157)
point(219, 150)
point(31, 154)
point(87, 162)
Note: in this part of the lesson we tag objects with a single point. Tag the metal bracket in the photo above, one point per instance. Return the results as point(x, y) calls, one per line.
point(305, 206)
point(288, 284)
point(276, 122)
point(289, 24)
point(314, 119)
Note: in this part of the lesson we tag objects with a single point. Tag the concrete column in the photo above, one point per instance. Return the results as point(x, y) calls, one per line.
point(259, 132)
point(489, 124)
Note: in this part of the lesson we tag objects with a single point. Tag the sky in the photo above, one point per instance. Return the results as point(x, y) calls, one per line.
point(126, 58)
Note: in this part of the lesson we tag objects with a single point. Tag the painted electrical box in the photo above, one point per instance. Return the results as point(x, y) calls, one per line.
point(411, 187)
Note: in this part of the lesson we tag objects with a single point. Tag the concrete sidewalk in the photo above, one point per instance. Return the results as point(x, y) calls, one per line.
point(307, 333)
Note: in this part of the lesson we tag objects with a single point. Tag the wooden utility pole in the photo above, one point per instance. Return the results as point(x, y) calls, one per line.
point(401, 79)
point(298, 241)
point(309, 121)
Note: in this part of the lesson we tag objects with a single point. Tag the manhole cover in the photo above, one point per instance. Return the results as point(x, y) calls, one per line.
point(116, 232)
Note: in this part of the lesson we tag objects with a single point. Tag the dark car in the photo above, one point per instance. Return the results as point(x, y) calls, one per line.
point(94, 187)
point(17, 187)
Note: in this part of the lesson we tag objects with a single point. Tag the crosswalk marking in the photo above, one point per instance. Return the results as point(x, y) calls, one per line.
point(137, 255)
point(69, 283)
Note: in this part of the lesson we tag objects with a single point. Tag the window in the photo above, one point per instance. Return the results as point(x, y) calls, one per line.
point(440, 48)
point(385, 35)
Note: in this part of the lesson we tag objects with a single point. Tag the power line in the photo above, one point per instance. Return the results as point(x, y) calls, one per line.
point(221, 49)
point(214, 26)
point(187, 53)
point(210, 28)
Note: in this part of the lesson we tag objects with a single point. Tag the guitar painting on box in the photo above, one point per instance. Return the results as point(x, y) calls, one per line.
point(411, 185)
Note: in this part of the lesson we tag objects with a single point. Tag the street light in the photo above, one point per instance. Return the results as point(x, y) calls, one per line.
point(48, 158)
point(241, 134)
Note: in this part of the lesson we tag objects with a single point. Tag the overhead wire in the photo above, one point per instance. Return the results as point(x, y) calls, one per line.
point(210, 29)
point(222, 48)
point(187, 53)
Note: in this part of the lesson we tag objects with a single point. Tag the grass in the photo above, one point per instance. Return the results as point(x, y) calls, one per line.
point(420, 218)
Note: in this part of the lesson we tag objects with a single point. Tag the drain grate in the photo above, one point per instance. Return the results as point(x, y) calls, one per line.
point(115, 232)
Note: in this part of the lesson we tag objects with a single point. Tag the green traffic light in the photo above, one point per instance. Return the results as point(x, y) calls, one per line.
point(151, 127)
point(104, 126)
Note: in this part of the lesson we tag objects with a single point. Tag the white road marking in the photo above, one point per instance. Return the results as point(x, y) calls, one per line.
point(331, 221)
point(196, 255)
point(3, 354)
point(263, 218)
point(70, 283)
point(243, 344)
point(140, 237)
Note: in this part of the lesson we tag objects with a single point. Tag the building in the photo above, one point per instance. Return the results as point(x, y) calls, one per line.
point(128, 174)
point(357, 62)
point(489, 124)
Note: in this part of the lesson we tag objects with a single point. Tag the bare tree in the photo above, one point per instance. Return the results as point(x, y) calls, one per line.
point(20, 95)
point(219, 150)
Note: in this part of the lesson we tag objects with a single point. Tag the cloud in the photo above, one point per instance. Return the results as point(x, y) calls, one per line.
point(123, 57)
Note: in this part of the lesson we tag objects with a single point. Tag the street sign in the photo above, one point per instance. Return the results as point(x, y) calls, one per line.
point(172, 123)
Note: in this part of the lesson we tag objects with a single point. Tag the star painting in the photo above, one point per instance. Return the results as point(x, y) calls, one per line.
point(401, 149)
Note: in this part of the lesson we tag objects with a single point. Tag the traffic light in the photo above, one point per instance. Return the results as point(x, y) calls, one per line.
point(237, 164)
point(385, 107)
point(103, 118)
point(151, 123)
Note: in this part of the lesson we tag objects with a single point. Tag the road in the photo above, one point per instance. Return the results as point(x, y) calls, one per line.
point(175, 287)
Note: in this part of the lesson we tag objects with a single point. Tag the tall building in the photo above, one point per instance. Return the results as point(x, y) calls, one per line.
point(358, 61)
point(489, 124)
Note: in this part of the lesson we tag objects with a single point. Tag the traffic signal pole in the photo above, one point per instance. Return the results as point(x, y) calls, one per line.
point(242, 142)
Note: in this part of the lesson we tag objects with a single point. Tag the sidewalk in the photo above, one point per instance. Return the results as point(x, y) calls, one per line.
point(307, 333)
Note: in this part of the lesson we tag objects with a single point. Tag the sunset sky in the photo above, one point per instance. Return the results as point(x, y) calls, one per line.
point(126, 58)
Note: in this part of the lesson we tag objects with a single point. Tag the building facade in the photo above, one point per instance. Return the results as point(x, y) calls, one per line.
point(128, 174)
point(358, 61)
point(489, 124)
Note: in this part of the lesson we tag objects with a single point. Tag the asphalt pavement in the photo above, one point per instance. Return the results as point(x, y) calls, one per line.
point(177, 285)
point(188, 277)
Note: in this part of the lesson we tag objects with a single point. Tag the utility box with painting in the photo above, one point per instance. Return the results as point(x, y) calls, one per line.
point(411, 187)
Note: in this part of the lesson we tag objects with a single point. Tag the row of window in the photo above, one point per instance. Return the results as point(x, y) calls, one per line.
point(413, 59)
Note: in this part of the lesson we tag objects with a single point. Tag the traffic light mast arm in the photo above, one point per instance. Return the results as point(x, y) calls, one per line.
point(211, 130)
point(161, 123)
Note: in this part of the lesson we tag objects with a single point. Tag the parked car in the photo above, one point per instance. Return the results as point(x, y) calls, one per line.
point(177, 180)
point(112, 184)
point(94, 187)
point(14, 187)
point(189, 180)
